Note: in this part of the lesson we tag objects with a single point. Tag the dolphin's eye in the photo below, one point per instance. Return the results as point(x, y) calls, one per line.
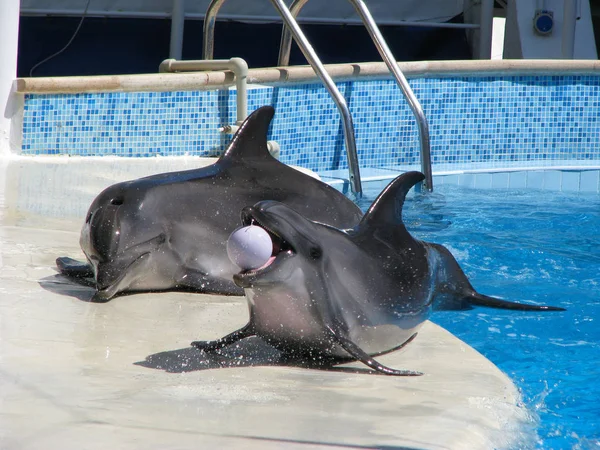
point(315, 253)
point(116, 201)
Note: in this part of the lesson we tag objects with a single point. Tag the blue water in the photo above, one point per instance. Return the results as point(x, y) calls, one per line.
point(532, 246)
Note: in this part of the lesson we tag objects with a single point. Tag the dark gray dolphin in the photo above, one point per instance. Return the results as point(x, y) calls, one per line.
point(352, 294)
point(169, 231)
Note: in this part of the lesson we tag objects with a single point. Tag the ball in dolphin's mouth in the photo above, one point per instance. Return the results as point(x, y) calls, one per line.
point(249, 247)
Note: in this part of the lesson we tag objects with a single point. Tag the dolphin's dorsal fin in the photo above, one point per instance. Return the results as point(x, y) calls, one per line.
point(384, 217)
point(250, 141)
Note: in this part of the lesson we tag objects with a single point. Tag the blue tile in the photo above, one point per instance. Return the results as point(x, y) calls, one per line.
point(517, 180)
point(535, 180)
point(500, 180)
point(438, 180)
point(450, 179)
point(552, 180)
point(570, 181)
point(590, 181)
point(483, 180)
point(466, 180)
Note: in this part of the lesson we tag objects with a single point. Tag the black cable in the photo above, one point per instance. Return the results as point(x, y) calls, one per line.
point(68, 43)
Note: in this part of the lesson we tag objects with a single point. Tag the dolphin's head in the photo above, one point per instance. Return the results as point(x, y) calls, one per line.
point(376, 254)
point(120, 238)
point(374, 260)
point(297, 242)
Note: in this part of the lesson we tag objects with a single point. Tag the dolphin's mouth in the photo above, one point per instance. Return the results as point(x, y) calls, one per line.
point(113, 275)
point(106, 291)
point(282, 249)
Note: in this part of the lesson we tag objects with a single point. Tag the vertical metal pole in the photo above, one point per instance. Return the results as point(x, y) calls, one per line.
point(568, 29)
point(405, 88)
point(9, 24)
point(208, 43)
point(285, 45)
point(486, 25)
point(388, 57)
point(177, 24)
point(313, 59)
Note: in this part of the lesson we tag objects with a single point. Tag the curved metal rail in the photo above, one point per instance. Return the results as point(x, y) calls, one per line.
point(388, 57)
point(311, 56)
point(208, 42)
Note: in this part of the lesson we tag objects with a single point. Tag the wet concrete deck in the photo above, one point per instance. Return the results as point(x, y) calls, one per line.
point(122, 375)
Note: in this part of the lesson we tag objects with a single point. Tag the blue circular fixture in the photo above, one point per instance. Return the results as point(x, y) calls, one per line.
point(543, 22)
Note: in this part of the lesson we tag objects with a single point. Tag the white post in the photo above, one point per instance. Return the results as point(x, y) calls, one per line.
point(568, 29)
point(9, 24)
point(177, 22)
point(486, 25)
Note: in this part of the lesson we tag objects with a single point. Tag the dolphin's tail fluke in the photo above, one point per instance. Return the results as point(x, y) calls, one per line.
point(477, 299)
point(456, 292)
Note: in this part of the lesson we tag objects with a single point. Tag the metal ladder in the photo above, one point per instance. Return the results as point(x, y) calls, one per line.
point(291, 27)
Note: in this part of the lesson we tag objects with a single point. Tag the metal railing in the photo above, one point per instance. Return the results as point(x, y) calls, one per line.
point(315, 62)
point(388, 58)
point(238, 66)
point(291, 27)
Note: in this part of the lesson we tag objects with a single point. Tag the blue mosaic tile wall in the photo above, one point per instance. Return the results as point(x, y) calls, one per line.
point(472, 120)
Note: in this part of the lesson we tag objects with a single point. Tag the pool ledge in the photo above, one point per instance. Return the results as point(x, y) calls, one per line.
point(122, 374)
point(565, 176)
point(65, 186)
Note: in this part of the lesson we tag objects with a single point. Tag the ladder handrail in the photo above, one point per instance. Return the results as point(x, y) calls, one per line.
point(208, 42)
point(315, 62)
point(388, 58)
point(285, 45)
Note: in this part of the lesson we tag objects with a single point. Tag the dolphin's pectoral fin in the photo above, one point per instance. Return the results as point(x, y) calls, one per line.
point(100, 297)
point(232, 338)
point(399, 347)
point(201, 282)
point(477, 299)
point(356, 352)
point(74, 269)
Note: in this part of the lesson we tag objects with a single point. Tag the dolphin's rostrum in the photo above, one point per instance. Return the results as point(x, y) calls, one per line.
point(169, 231)
point(351, 294)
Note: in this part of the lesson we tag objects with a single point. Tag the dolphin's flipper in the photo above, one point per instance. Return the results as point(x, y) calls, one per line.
point(100, 297)
point(358, 353)
point(75, 269)
point(232, 338)
point(193, 278)
point(80, 272)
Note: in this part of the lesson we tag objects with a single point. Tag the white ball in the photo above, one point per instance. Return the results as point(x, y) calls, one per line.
point(249, 247)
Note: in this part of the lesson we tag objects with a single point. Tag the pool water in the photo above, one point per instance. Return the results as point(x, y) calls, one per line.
point(532, 246)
